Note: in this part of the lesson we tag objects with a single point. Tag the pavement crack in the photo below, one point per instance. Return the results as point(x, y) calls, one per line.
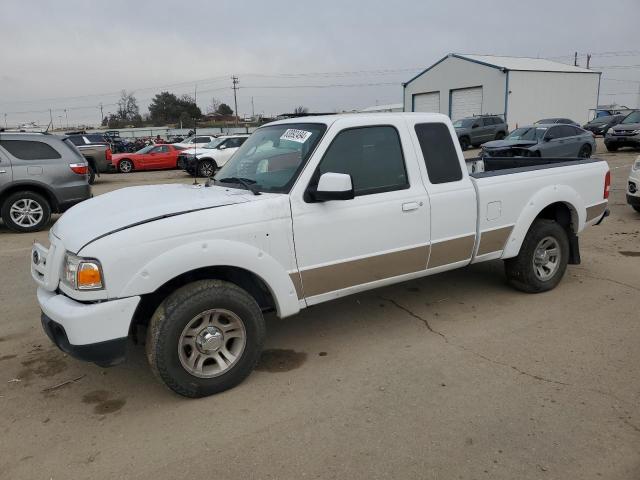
point(417, 317)
point(622, 284)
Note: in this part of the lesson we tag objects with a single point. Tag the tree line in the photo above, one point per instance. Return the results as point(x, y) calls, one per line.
point(165, 108)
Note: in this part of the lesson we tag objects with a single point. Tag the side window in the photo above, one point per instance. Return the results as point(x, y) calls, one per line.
point(497, 120)
point(202, 140)
point(164, 149)
point(487, 121)
point(439, 152)
point(553, 132)
point(371, 155)
point(29, 150)
point(566, 131)
point(241, 140)
point(233, 143)
point(155, 150)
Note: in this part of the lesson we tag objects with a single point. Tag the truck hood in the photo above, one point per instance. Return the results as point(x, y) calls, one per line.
point(627, 126)
point(509, 143)
point(127, 207)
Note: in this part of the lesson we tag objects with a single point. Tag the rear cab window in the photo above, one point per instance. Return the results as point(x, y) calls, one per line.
point(439, 152)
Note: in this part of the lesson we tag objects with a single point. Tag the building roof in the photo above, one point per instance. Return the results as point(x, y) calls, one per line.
point(526, 64)
point(522, 63)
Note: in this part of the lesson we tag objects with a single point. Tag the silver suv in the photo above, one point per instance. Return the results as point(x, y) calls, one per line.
point(474, 131)
point(40, 174)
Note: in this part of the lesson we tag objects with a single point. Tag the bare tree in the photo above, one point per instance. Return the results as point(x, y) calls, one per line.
point(214, 105)
point(300, 110)
point(127, 106)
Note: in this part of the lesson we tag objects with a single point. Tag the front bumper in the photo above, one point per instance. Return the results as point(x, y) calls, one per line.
point(95, 332)
point(633, 200)
point(622, 141)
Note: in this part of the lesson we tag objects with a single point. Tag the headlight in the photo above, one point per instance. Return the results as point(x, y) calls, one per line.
point(610, 131)
point(636, 165)
point(82, 273)
point(635, 132)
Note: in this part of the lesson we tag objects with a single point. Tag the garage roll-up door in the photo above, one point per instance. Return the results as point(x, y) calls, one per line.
point(426, 102)
point(466, 102)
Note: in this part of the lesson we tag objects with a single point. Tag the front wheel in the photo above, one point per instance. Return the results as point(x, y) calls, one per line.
point(206, 168)
point(542, 260)
point(636, 208)
point(205, 338)
point(125, 166)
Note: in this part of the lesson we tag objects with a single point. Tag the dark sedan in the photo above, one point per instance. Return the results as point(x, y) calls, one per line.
point(600, 125)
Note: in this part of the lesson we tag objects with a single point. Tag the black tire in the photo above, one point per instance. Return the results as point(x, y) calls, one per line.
point(125, 166)
point(611, 147)
point(500, 136)
point(636, 208)
point(585, 151)
point(92, 176)
point(22, 199)
point(521, 272)
point(177, 311)
point(206, 167)
point(464, 143)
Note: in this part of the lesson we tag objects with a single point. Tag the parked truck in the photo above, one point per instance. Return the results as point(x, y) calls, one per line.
point(308, 210)
point(96, 150)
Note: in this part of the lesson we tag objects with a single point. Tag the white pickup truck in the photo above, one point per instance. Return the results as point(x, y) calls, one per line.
point(306, 211)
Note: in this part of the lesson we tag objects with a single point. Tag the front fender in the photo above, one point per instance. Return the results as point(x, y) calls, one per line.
point(538, 202)
point(196, 255)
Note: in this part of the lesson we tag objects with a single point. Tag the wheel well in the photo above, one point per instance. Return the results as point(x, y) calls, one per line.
point(53, 202)
point(248, 281)
point(567, 217)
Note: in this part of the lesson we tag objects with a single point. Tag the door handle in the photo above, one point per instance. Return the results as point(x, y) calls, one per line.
point(407, 207)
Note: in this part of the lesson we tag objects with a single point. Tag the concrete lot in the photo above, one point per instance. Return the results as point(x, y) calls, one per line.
point(455, 376)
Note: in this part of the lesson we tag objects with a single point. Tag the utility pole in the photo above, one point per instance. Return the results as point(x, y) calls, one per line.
point(101, 115)
point(234, 86)
point(575, 59)
point(5, 121)
point(51, 119)
point(66, 117)
point(253, 110)
point(588, 60)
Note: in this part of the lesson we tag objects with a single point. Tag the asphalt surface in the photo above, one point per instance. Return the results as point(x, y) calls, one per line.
point(454, 376)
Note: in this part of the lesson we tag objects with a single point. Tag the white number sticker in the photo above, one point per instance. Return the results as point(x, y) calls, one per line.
point(294, 135)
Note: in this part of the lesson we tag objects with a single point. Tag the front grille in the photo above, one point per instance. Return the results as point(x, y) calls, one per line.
point(623, 132)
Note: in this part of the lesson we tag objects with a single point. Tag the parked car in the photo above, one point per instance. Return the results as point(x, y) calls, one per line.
point(194, 140)
point(625, 134)
point(205, 160)
point(543, 140)
point(477, 130)
point(307, 210)
point(633, 186)
point(152, 157)
point(40, 174)
point(600, 125)
point(549, 121)
point(96, 148)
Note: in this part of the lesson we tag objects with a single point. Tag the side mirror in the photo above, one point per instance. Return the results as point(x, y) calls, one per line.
point(548, 138)
point(475, 125)
point(222, 147)
point(334, 186)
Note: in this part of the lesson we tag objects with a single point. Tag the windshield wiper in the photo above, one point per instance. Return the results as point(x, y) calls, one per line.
point(245, 182)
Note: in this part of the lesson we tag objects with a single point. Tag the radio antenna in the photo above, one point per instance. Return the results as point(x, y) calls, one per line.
point(195, 135)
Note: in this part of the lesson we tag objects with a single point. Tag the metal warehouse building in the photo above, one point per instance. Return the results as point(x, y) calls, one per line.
point(523, 90)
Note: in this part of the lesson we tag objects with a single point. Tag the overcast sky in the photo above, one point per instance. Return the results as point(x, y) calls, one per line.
point(89, 50)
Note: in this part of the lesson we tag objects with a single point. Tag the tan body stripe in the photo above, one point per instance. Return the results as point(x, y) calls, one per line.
point(295, 278)
point(451, 251)
point(321, 280)
point(595, 211)
point(493, 240)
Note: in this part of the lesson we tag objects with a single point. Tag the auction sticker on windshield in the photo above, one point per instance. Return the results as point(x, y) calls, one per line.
point(295, 135)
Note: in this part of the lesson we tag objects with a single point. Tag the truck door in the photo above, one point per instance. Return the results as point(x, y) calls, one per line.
point(451, 195)
point(379, 236)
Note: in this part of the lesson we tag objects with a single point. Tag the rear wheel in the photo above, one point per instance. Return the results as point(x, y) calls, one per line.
point(585, 151)
point(206, 167)
point(125, 166)
point(636, 208)
point(542, 260)
point(26, 212)
point(205, 338)
point(464, 143)
point(92, 175)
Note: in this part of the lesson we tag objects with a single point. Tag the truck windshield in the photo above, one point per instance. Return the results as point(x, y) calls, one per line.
point(632, 118)
point(271, 159)
point(527, 133)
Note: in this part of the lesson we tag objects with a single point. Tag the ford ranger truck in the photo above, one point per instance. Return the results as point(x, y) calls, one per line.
point(308, 210)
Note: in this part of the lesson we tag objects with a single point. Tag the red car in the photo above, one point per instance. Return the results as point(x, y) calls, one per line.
point(153, 157)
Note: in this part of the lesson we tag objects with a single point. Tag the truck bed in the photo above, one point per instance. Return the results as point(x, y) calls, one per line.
point(480, 167)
